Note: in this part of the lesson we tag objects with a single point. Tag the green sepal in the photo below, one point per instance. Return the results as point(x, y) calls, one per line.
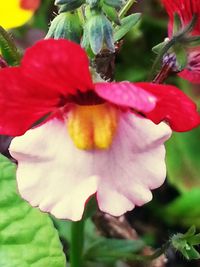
point(111, 13)
point(127, 24)
point(28, 237)
point(114, 3)
point(66, 25)
point(71, 5)
point(111, 250)
point(184, 243)
point(192, 41)
point(181, 56)
point(177, 24)
point(158, 48)
point(61, 2)
point(8, 48)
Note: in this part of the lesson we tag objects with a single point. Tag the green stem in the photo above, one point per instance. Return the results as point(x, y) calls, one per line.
point(126, 8)
point(77, 242)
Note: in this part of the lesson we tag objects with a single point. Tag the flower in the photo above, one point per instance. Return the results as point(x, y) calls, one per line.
point(15, 13)
point(186, 9)
point(90, 138)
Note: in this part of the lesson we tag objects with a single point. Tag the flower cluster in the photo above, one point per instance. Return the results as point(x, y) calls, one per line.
point(186, 9)
point(76, 137)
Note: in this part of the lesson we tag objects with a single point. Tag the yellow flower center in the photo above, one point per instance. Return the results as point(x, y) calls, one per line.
point(93, 126)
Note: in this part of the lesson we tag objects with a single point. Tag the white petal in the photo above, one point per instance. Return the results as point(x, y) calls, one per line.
point(59, 178)
point(52, 173)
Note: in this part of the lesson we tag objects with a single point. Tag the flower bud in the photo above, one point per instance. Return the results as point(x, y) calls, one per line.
point(66, 25)
point(100, 30)
point(68, 5)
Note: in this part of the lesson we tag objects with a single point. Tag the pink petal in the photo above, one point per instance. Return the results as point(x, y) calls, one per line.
point(126, 94)
point(59, 178)
point(136, 165)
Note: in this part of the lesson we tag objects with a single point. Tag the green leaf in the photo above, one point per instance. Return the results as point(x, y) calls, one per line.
point(184, 210)
point(27, 236)
point(111, 250)
point(183, 158)
point(8, 49)
point(127, 24)
point(111, 13)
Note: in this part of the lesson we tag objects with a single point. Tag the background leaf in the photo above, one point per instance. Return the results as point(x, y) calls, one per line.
point(183, 160)
point(184, 210)
point(27, 236)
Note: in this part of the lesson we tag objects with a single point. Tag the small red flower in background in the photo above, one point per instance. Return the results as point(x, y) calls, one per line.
point(186, 9)
point(95, 138)
point(30, 4)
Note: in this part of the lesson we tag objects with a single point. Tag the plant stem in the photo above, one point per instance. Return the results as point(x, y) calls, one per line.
point(126, 8)
point(77, 241)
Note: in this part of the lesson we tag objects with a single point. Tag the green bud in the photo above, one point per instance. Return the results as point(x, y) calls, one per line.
point(108, 34)
point(100, 30)
point(95, 33)
point(115, 3)
point(61, 2)
point(69, 5)
point(92, 3)
point(66, 25)
point(185, 243)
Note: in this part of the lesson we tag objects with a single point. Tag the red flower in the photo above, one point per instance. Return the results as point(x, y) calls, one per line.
point(30, 4)
point(186, 9)
point(55, 73)
point(95, 138)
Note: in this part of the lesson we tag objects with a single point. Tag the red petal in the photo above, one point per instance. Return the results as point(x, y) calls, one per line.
point(173, 106)
point(190, 75)
point(185, 9)
point(22, 102)
point(126, 94)
point(58, 64)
